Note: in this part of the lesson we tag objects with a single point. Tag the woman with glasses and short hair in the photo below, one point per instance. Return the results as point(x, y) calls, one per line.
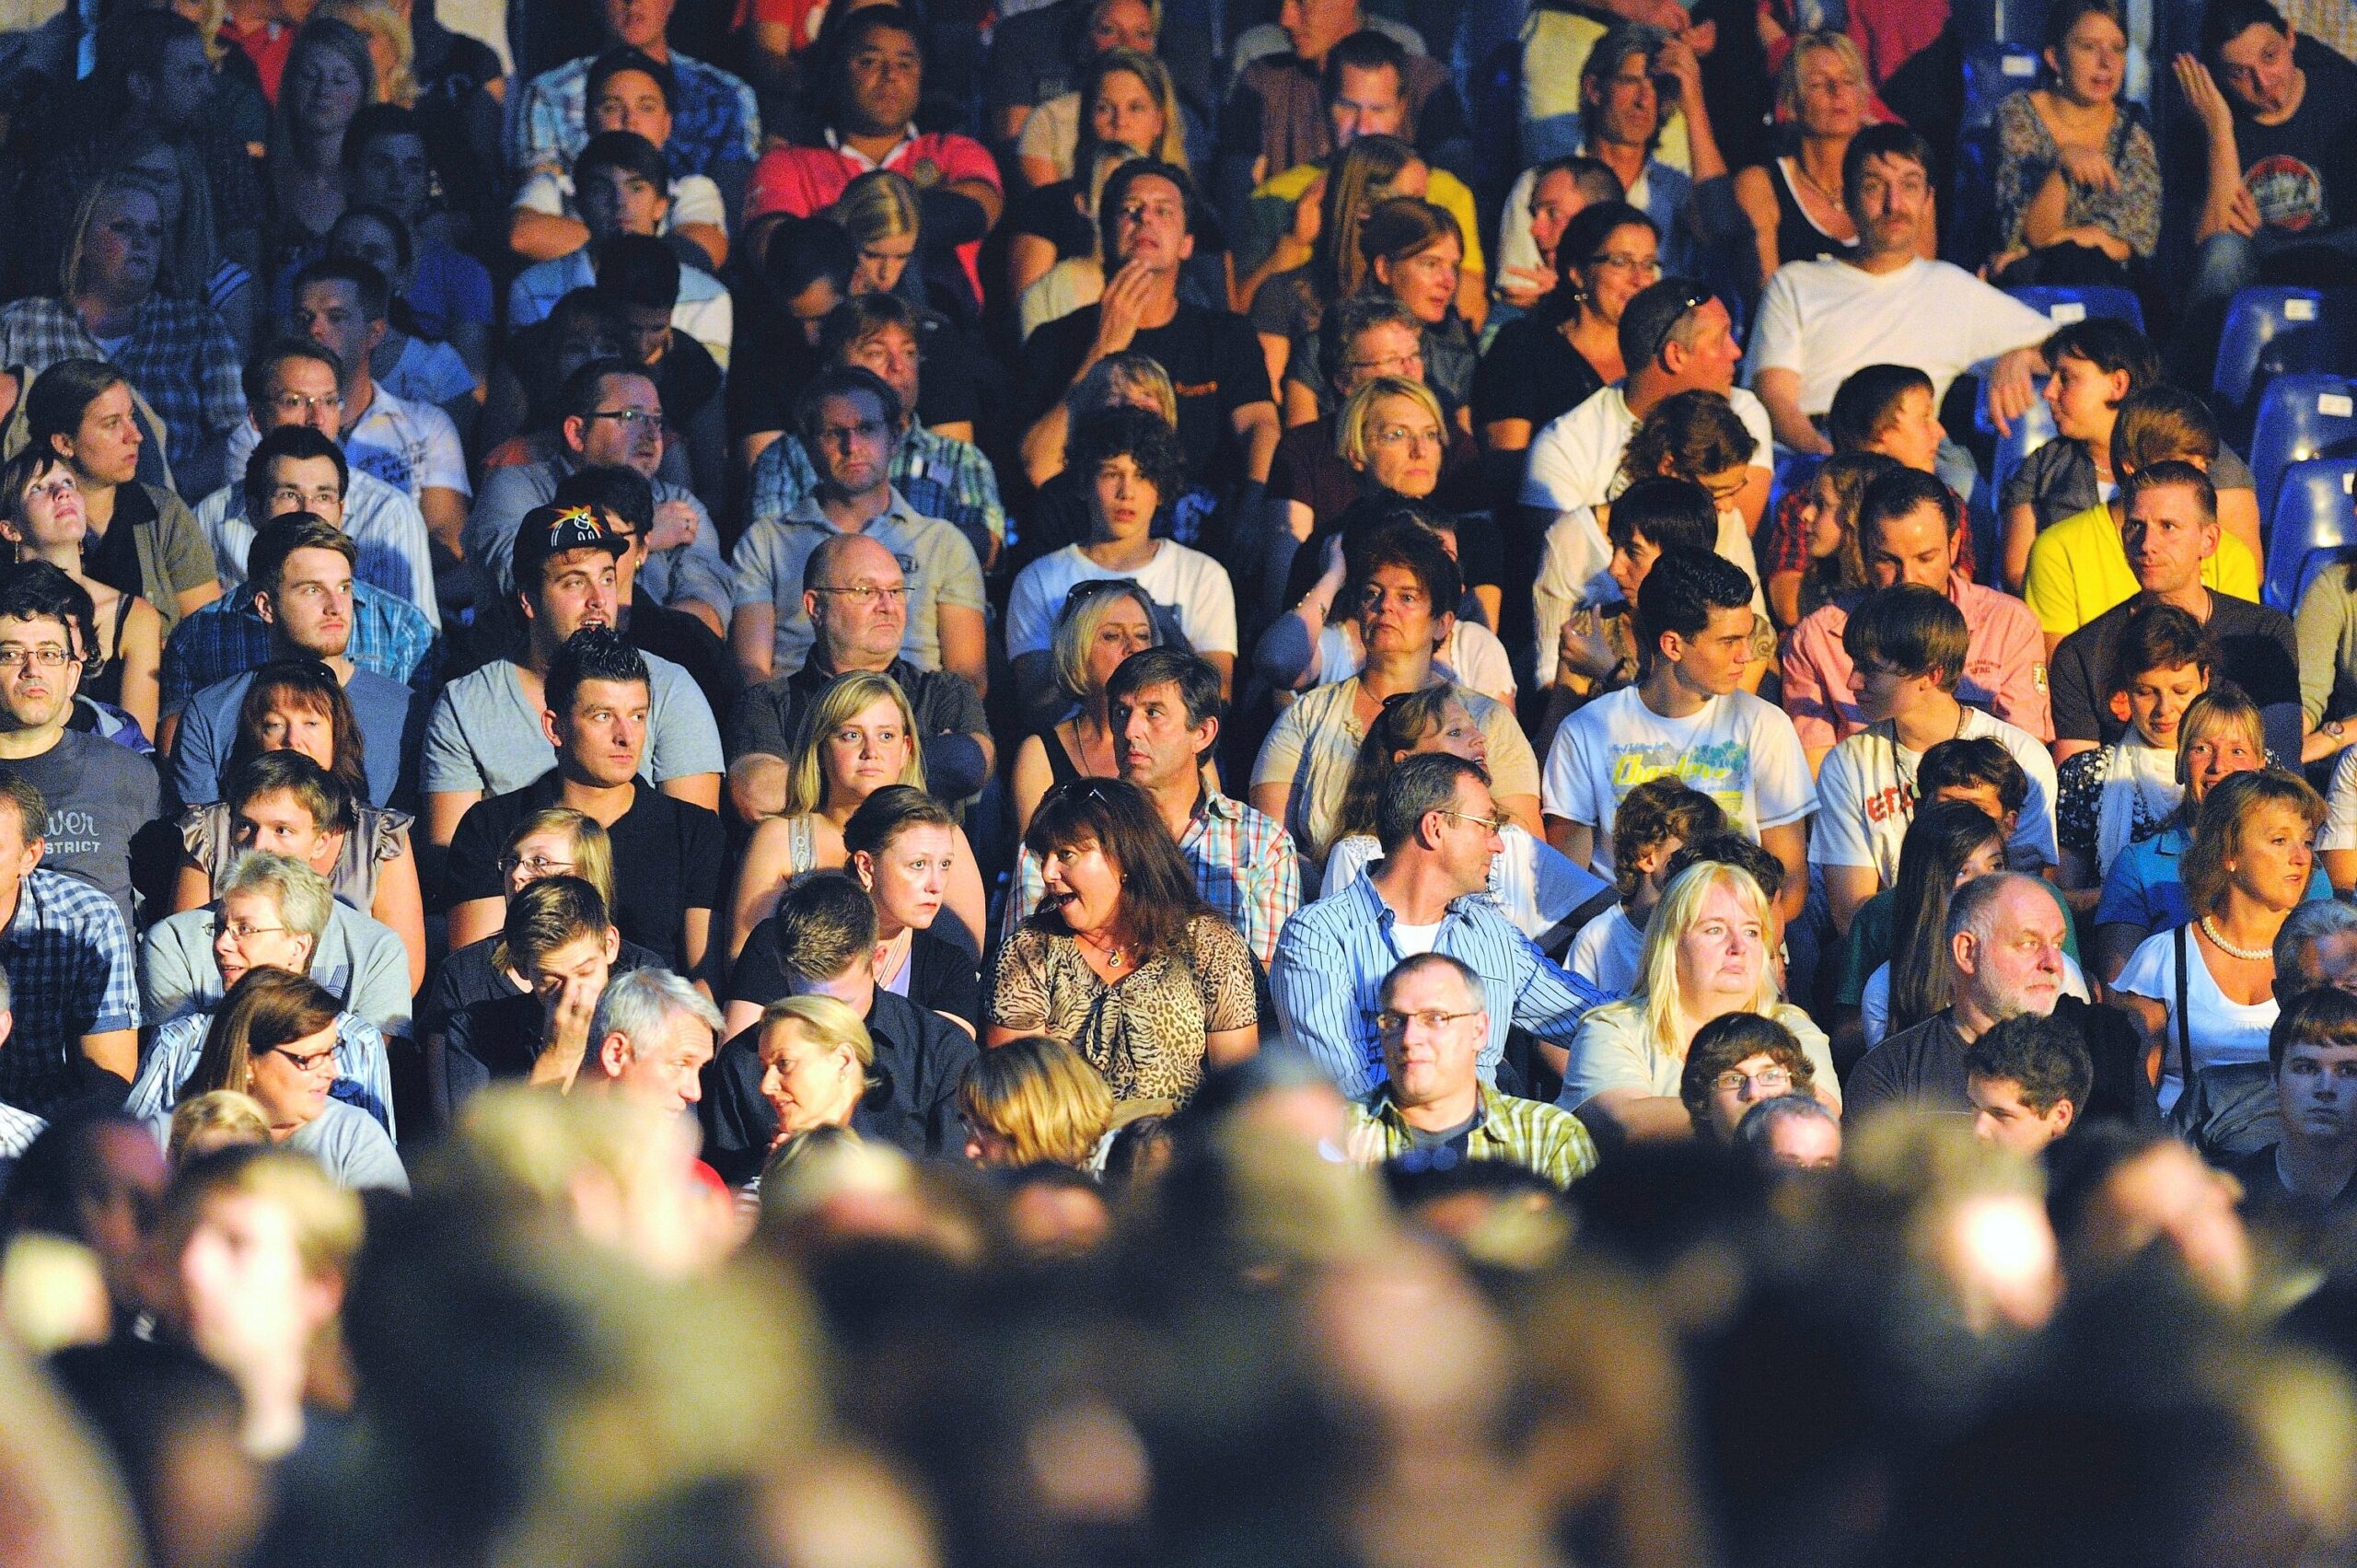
point(279, 1037)
point(272, 913)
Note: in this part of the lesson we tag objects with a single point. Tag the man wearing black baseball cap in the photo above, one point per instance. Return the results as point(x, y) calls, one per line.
point(485, 736)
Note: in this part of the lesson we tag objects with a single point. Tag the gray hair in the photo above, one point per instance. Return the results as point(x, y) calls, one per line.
point(636, 1006)
point(1420, 785)
point(2308, 924)
point(1755, 1135)
point(303, 900)
point(1417, 962)
point(1974, 907)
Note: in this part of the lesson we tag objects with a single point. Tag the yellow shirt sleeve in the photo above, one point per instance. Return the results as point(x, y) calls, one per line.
point(2233, 571)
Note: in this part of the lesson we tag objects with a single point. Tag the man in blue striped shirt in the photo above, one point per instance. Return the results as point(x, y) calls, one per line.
point(1438, 827)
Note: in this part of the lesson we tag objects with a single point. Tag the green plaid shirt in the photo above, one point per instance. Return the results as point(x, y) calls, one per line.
point(1530, 1133)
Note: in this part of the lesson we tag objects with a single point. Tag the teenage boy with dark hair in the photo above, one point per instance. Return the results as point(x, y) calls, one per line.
point(1687, 719)
point(2028, 1079)
point(1906, 646)
point(1586, 651)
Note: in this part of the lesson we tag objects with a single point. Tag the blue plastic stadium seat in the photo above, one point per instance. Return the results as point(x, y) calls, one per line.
point(2065, 304)
point(2256, 318)
point(1990, 72)
point(2315, 516)
point(2301, 416)
point(2032, 430)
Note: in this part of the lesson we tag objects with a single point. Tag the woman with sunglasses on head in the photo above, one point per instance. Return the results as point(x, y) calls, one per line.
point(1103, 622)
point(1525, 379)
point(1123, 959)
point(42, 517)
point(276, 1037)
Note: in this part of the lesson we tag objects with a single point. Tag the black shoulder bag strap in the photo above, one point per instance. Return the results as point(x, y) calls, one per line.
point(2184, 1019)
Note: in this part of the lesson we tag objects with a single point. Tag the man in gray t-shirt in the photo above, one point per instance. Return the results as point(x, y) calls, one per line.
point(100, 795)
point(488, 732)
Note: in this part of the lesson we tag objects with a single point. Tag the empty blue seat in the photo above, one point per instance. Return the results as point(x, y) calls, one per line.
point(2314, 515)
point(1990, 72)
point(2256, 318)
point(2301, 416)
point(2066, 304)
point(1793, 471)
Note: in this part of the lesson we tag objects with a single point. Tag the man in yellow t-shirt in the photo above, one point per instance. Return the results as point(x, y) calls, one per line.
point(2078, 568)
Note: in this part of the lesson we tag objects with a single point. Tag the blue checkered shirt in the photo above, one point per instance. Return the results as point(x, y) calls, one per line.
point(713, 119)
point(362, 1074)
point(179, 358)
point(1244, 868)
point(70, 974)
point(1334, 954)
point(228, 637)
point(939, 476)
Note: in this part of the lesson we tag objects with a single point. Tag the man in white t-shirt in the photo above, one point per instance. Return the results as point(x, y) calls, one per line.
point(1686, 718)
point(1885, 305)
point(1674, 337)
point(1907, 644)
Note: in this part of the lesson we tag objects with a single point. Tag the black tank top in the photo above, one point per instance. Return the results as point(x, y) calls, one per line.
point(1797, 237)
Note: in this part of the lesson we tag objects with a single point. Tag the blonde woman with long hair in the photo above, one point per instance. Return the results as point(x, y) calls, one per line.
point(1707, 953)
point(861, 734)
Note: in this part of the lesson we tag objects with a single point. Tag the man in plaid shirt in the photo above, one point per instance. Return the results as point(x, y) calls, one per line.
point(1431, 1109)
point(1165, 704)
point(715, 124)
point(67, 957)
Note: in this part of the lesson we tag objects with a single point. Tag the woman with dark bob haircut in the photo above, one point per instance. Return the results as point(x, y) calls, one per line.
point(1123, 959)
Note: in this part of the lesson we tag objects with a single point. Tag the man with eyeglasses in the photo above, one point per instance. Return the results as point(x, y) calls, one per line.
point(2004, 937)
point(1437, 824)
point(304, 591)
point(296, 385)
point(343, 307)
point(1228, 415)
point(1734, 1062)
point(100, 794)
point(1433, 1112)
point(609, 412)
point(851, 421)
point(1675, 336)
point(1883, 304)
point(857, 603)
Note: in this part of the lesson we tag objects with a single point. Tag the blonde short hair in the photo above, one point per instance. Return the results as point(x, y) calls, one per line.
point(879, 205)
point(1666, 1029)
point(843, 699)
point(327, 1219)
point(372, 19)
point(222, 1117)
point(1112, 380)
point(1788, 79)
point(2220, 707)
point(1077, 624)
point(827, 1022)
point(1042, 1096)
point(1350, 437)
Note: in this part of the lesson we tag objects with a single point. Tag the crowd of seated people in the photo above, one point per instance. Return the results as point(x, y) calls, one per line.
point(939, 690)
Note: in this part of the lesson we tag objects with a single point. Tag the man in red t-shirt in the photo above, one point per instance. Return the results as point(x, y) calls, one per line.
point(873, 106)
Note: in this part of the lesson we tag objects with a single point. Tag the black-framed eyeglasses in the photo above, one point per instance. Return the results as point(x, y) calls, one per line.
point(629, 417)
point(1690, 296)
